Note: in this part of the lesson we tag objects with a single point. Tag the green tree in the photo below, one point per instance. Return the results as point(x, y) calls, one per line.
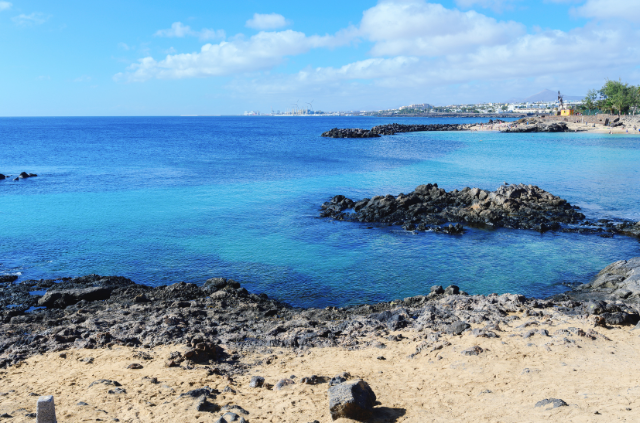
point(616, 96)
point(634, 98)
point(590, 100)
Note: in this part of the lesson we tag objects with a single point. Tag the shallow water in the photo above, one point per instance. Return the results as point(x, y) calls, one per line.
point(161, 200)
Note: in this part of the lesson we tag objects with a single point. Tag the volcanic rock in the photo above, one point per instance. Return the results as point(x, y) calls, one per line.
point(351, 400)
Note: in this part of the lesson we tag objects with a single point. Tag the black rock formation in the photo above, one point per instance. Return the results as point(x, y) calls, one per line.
point(511, 206)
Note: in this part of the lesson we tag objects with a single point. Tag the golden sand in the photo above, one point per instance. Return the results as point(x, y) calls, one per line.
point(598, 379)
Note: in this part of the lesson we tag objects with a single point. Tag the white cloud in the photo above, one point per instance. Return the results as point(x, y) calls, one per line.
point(418, 49)
point(526, 64)
point(267, 21)
point(497, 5)
point(179, 30)
point(262, 51)
point(5, 5)
point(30, 20)
point(610, 9)
point(124, 46)
point(426, 29)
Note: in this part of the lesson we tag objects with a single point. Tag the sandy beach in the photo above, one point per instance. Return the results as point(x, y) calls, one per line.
point(630, 128)
point(595, 372)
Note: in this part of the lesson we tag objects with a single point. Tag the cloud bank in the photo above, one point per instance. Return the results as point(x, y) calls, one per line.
point(412, 45)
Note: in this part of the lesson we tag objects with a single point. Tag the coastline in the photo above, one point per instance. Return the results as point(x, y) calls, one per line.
point(185, 337)
point(592, 124)
point(219, 335)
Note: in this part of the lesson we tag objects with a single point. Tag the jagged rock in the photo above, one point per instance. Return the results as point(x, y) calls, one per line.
point(351, 400)
point(8, 278)
point(437, 289)
point(452, 290)
point(457, 328)
point(618, 280)
point(431, 208)
point(62, 299)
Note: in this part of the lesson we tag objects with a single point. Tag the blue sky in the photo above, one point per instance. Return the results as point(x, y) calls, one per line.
point(213, 57)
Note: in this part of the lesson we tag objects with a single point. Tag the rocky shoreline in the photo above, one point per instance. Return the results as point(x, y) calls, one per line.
point(93, 311)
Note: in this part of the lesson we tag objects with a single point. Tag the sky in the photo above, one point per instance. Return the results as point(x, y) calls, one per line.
point(135, 58)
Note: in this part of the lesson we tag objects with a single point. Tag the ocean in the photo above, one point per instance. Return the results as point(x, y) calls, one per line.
point(167, 199)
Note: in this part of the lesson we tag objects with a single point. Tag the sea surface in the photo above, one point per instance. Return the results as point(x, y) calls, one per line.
point(168, 199)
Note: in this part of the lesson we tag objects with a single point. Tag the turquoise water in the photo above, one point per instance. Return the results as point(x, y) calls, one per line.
point(162, 200)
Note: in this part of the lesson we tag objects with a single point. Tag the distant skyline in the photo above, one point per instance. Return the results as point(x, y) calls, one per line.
point(73, 58)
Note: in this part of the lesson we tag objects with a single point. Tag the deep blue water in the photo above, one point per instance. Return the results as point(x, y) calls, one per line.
point(162, 200)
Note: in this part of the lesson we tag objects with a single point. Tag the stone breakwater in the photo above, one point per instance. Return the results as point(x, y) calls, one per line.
point(392, 129)
point(522, 125)
point(220, 318)
point(428, 207)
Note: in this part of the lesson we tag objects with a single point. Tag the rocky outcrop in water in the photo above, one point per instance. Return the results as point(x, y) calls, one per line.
point(392, 129)
point(22, 175)
point(428, 207)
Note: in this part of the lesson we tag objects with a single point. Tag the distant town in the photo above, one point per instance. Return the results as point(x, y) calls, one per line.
point(541, 103)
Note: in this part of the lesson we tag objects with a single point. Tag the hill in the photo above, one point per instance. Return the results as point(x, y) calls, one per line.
point(545, 95)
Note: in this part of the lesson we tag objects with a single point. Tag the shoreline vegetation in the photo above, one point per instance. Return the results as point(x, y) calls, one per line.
point(188, 352)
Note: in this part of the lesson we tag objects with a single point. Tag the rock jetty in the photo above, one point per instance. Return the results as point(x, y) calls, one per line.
point(428, 207)
point(392, 129)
